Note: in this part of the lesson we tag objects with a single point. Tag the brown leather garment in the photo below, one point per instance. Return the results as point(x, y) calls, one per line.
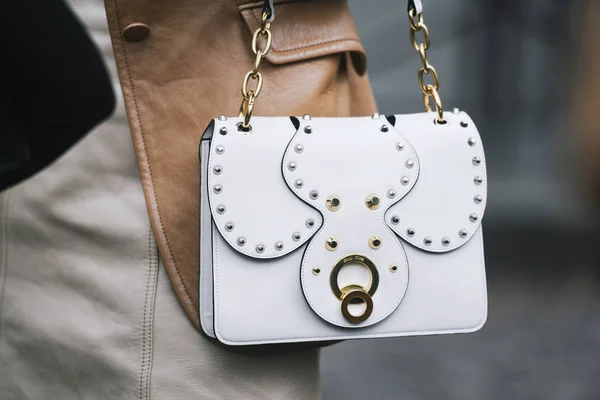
point(183, 65)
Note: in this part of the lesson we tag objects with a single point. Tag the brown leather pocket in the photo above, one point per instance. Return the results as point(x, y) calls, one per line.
point(300, 33)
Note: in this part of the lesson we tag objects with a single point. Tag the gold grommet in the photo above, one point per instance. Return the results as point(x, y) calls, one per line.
point(333, 203)
point(374, 242)
point(331, 244)
point(372, 202)
point(393, 268)
point(316, 271)
point(357, 295)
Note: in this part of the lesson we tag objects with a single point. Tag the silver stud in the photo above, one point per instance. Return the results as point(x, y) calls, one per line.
point(220, 149)
point(298, 183)
point(410, 232)
point(375, 116)
point(391, 193)
point(221, 209)
point(463, 233)
point(308, 129)
point(428, 241)
point(384, 128)
point(456, 111)
point(395, 220)
point(478, 180)
point(223, 131)
point(222, 118)
point(405, 180)
point(292, 166)
point(217, 169)
point(260, 248)
point(229, 226)
point(446, 241)
point(472, 141)
point(399, 146)
point(410, 163)
point(218, 189)
point(310, 223)
point(279, 246)
point(476, 160)
point(296, 236)
point(241, 241)
point(299, 148)
point(306, 117)
point(464, 124)
point(314, 194)
point(478, 198)
point(473, 217)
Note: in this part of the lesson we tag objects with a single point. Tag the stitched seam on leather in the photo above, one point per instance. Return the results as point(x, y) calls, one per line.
point(143, 390)
point(3, 249)
point(305, 46)
point(137, 117)
point(153, 279)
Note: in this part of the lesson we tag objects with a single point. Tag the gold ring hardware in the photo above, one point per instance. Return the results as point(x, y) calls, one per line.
point(246, 110)
point(434, 76)
point(266, 32)
point(437, 101)
point(354, 259)
point(259, 84)
point(350, 298)
point(331, 244)
point(372, 202)
point(420, 28)
point(333, 203)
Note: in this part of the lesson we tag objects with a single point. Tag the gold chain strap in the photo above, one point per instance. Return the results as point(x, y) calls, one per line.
point(249, 95)
point(429, 90)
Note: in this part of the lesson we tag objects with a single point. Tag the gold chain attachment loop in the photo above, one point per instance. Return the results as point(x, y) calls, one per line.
point(429, 90)
point(249, 95)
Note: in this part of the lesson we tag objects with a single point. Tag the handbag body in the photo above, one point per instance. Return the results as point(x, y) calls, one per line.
point(267, 271)
point(321, 229)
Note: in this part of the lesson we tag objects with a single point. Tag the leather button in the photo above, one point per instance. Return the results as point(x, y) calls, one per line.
point(136, 32)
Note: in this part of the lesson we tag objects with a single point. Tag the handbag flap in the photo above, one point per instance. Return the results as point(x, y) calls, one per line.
point(446, 206)
point(270, 189)
point(251, 206)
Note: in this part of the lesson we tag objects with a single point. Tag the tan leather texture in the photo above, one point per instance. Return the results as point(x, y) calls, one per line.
point(189, 70)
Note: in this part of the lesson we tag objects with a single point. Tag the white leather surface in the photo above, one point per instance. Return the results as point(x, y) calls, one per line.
point(442, 201)
point(257, 202)
point(352, 158)
point(260, 302)
point(265, 301)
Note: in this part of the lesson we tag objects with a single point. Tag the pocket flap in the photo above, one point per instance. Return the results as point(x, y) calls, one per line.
point(301, 34)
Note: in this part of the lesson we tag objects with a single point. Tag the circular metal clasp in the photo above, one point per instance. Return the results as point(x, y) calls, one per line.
point(355, 294)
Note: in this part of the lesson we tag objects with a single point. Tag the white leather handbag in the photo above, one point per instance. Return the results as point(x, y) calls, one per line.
point(372, 226)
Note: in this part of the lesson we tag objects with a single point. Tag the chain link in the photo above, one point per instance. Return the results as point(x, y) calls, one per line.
point(429, 90)
point(249, 95)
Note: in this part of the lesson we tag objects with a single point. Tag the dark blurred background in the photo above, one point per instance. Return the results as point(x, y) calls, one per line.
point(518, 68)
